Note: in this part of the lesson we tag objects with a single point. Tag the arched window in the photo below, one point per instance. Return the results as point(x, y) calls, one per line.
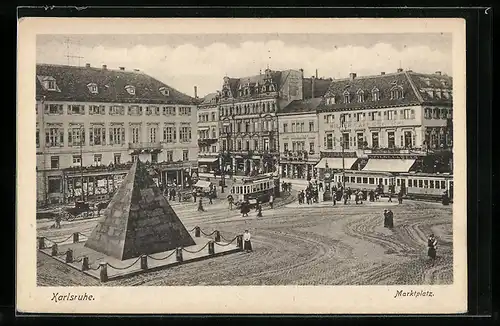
point(347, 97)
point(92, 88)
point(396, 92)
point(361, 96)
point(375, 94)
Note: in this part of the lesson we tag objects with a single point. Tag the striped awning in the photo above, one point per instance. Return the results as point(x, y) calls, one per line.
point(389, 165)
point(336, 163)
point(207, 159)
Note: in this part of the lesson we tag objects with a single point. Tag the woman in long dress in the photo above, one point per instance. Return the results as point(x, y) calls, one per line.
point(432, 245)
point(247, 244)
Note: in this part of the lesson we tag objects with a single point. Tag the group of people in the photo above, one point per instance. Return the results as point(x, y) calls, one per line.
point(311, 195)
point(286, 186)
point(245, 208)
point(388, 219)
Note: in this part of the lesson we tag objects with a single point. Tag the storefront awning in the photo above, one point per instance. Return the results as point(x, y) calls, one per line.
point(336, 163)
point(389, 165)
point(207, 159)
point(203, 184)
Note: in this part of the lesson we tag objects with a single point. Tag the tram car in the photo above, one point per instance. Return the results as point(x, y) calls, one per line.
point(366, 180)
point(257, 188)
point(424, 185)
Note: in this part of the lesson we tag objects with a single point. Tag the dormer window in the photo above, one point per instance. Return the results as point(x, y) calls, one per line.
point(92, 88)
point(347, 97)
point(444, 83)
point(49, 83)
point(271, 88)
point(361, 96)
point(164, 91)
point(130, 89)
point(396, 92)
point(330, 100)
point(375, 94)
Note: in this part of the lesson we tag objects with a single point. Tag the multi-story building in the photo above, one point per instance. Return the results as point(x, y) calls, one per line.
point(249, 135)
point(91, 122)
point(387, 122)
point(298, 123)
point(208, 133)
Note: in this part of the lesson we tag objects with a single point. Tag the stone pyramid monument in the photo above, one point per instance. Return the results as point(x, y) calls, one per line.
point(138, 220)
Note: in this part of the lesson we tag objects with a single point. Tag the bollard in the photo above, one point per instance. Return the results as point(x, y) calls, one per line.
point(217, 236)
point(85, 264)
point(197, 231)
point(54, 249)
point(144, 262)
point(76, 237)
point(41, 243)
point(178, 254)
point(104, 272)
point(211, 248)
point(69, 256)
point(239, 241)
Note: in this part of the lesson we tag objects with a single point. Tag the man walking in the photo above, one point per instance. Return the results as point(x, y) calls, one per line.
point(271, 201)
point(432, 247)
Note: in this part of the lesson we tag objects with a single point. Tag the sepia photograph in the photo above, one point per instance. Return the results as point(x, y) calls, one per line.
point(228, 159)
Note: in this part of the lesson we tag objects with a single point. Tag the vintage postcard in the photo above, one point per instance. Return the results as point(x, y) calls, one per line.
point(241, 166)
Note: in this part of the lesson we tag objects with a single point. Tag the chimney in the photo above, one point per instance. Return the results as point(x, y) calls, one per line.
point(352, 75)
point(195, 92)
point(382, 73)
point(400, 69)
point(316, 73)
point(104, 67)
point(122, 68)
point(301, 72)
point(87, 65)
point(438, 73)
point(313, 81)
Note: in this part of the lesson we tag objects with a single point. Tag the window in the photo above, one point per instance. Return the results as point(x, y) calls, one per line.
point(97, 109)
point(53, 109)
point(185, 134)
point(214, 149)
point(358, 179)
point(136, 134)
point(37, 138)
point(170, 156)
point(396, 93)
point(371, 181)
point(169, 110)
point(116, 135)
point(214, 133)
point(391, 139)
point(443, 185)
point(360, 140)
point(152, 110)
point(213, 116)
point(186, 110)
point(420, 184)
point(117, 158)
point(169, 134)
point(76, 136)
point(256, 144)
point(345, 140)
point(375, 94)
point(266, 144)
point(185, 155)
point(285, 147)
point(77, 160)
point(164, 91)
point(302, 126)
point(293, 127)
point(97, 135)
point(152, 133)
point(54, 137)
point(329, 141)
point(361, 96)
point(444, 114)
point(311, 147)
point(154, 157)
point(352, 179)
point(117, 110)
point(431, 185)
point(76, 109)
point(407, 114)
point(54, 185)
point(97, 159)
point(130, 89)
point(347, 97)
point(435, 113)
point(92, 88)
point(54, 162)
point(375, 140)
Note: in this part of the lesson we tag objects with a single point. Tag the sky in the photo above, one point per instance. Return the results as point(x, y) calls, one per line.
point(184, 61)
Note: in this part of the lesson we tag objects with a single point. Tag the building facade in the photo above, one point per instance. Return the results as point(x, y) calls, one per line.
point(93, 122)
point(208, 133)
point(386, 122)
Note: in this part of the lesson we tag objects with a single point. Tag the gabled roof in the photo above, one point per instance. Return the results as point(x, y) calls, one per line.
point(303, 106)
point(208, 99)
point(72, 82)
point(277, 77)
point(411, 83)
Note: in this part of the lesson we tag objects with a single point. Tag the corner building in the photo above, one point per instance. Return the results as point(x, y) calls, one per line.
point(103, 119)
point(248, 122)
point(389, 122)
point(208, 133)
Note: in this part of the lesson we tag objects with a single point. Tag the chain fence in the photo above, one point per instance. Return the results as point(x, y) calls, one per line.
point(197, 251)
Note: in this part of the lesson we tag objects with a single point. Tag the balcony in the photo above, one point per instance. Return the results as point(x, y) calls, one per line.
point(395, 150)
point(144, 145)
point(298, 156)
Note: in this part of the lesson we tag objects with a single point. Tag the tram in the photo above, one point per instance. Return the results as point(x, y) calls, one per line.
point(255, 188)
point(366, 180)
point(424, 185)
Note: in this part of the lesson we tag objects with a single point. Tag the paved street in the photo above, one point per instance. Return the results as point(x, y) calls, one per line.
point(342, 245)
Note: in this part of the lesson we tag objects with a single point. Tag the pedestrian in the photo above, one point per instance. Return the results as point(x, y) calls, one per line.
point(200, 205)
point(259, 210)
point(271, 201)
point(334, 198)
point(400, 197)
point(390, 219)
point(386, 218)
point(445, 200)
point(346, 197)
point(179, 196)
point(247, 244)
point(57, 220)
point(321, 186)
point(390, 197)
point(210, 196)
point(172, 193)
point(230, 200)
point(194, 195)
point(432, 247)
